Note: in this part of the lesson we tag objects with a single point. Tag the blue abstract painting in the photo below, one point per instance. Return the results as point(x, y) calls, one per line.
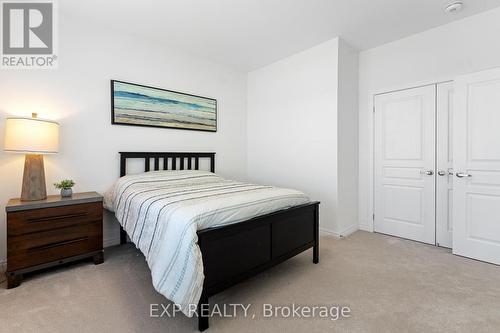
point(134, 104)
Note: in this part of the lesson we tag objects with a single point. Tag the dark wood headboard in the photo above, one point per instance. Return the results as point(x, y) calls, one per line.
point(178, 161)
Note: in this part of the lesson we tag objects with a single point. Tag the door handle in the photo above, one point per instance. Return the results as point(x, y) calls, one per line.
point(441, 172)
point(427, 172)
point(462, 175)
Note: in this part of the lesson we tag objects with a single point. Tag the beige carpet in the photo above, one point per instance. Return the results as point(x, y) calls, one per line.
point(390, 285)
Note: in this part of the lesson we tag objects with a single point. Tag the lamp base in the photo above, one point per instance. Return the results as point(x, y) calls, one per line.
point(33, 178)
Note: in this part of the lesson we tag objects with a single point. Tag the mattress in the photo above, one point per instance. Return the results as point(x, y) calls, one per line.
point(161, 211)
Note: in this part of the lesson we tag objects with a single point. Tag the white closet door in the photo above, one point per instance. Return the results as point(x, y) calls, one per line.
point(476, 159)
point(444, 164)
point(404, 164)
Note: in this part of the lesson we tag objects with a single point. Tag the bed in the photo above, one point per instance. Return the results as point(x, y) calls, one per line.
point(201, 233)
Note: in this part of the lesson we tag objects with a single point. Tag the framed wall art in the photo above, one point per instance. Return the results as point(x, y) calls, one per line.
point(139, 105)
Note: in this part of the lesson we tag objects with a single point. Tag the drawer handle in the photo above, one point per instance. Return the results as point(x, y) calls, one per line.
point(51, 245)
point(56, 217)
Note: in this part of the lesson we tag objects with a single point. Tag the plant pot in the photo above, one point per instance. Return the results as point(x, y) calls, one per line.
point(66, 192)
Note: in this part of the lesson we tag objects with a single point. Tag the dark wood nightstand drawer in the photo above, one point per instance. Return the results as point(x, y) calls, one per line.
point(36, 220)
point(38, 248)
point(53, 231)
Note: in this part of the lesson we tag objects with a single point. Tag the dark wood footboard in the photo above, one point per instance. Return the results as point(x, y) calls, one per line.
point(236, 252)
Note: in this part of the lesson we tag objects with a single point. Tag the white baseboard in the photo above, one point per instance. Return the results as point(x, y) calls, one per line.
point(343, 233)
point(326, 232)
point(366, 227)
point(347, 231)
point(107, 242)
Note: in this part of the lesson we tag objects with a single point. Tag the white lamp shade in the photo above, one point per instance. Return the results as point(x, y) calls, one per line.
point(31, 135)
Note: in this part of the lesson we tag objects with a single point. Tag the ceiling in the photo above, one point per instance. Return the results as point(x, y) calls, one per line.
point(248, 34)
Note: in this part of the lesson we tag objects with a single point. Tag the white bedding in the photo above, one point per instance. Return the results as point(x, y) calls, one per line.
point(162, 210)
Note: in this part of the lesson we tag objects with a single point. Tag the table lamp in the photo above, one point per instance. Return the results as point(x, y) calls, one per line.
point(33, 137)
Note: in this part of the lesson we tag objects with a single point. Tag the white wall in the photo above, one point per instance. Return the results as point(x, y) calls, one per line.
point(77, 94)
point(347, 126)
point(440, 54)
point(292, 122)
point(293, 127)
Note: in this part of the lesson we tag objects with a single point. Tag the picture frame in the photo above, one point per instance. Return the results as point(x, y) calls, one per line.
point(140, 105)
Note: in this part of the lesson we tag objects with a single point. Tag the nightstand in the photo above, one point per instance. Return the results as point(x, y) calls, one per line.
point(51, 232)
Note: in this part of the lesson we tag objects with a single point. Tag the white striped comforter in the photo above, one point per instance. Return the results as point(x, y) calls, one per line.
point(162, 210)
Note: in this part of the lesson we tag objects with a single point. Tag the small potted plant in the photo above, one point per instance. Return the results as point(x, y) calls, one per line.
point(65, 187)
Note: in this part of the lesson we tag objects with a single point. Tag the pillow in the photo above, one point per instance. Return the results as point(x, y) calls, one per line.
point(149, 179)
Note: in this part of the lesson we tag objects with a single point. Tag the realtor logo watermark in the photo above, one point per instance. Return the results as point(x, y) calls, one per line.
point(296, 311)
point(28, 34)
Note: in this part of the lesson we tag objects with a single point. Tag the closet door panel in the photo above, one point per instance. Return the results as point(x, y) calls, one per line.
point(404, 164)
point(476, 158)
point(444, 165)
